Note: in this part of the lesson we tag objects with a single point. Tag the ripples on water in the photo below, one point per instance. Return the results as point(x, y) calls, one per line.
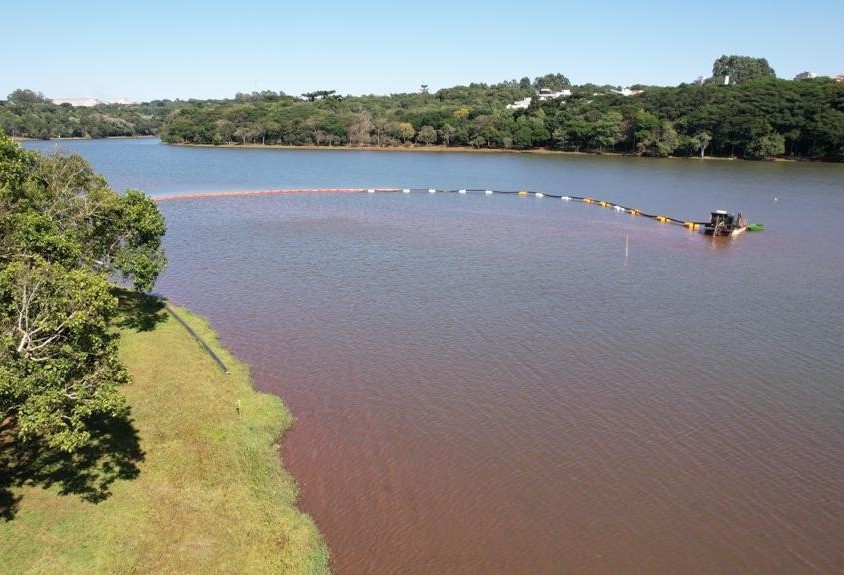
point(486, 384)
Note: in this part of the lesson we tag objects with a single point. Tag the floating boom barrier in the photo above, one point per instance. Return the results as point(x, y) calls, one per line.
point(688, 224)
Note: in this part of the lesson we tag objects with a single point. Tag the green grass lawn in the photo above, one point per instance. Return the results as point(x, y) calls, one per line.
point(185, 485)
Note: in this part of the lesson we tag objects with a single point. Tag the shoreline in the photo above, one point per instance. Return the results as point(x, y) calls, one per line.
point(433, 149)
point(79, 138)
point(202, 488)
point(440, 149)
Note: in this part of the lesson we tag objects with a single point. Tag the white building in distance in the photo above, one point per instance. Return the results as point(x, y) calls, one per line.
point(88, 102)
point(544, 94)
point(627, 92)
point(520, 104)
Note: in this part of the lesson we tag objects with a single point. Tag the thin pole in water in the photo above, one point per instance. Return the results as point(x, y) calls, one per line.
point(626, 244)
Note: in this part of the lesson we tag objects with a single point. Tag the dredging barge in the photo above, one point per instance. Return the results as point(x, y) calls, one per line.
point(724, 223)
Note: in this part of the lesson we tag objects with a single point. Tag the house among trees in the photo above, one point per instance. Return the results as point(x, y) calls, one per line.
point(520, 104)
point(543, 94)
point(627, 92)
point(805, 76)
point(547, 94)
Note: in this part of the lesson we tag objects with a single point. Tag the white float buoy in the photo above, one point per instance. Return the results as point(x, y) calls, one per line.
point(565, 198)
point(370, 191)
point(539, 195)
point(432, 191)
point(461, 191)
point(488, 192)
point(406, 191)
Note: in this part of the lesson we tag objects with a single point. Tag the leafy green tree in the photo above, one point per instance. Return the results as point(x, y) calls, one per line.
point(579, 132)
point(446, 133)
point(553, 82)
point(523, 135)
point(740, 69)
point(426, 135)
point(825, 133)
point(461, 113)
point(57, 351)
point(27, 97)
point(358, 132)
point(478, 142)
point(667, 139)
point(381, 127)
point(645, 126)
point(135, 250)
point(766, 146)
point(64, 232)
point(65, 212)
point(700, 141)
point(605, 131)
point(406, 131)
point(560, 137)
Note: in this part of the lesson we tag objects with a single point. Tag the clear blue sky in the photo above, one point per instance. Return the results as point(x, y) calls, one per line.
point(207, 49)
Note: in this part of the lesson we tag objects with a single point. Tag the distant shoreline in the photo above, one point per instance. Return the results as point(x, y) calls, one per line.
point(434, 149)
point(439, 149)
point(23, 139)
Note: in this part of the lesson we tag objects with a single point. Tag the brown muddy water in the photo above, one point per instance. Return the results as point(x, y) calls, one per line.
point(488, 385)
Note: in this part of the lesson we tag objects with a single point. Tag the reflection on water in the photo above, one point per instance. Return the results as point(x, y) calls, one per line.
point(488, 385)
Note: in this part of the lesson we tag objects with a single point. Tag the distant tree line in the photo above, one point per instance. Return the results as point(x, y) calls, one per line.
point(752, 115)
point(29, 114)
point(756, 118)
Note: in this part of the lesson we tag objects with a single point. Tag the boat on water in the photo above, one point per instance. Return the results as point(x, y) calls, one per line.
point(724, 223)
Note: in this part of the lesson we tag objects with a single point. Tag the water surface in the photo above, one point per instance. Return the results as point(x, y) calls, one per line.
point(487, 384)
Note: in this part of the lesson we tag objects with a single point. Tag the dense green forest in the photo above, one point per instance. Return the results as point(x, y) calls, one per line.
point(742, 111)
point(29, 114)
point(759, 118)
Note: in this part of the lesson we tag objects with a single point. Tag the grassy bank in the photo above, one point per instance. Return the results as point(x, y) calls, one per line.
point(187, 484)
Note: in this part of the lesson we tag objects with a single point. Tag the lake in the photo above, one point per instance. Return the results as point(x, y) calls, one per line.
point(488, 384)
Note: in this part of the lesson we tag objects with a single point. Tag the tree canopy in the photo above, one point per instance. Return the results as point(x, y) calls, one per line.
point(553, 82)
point(29, 114)
point(757, 118)
point(64, 234)
point(740, 69)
